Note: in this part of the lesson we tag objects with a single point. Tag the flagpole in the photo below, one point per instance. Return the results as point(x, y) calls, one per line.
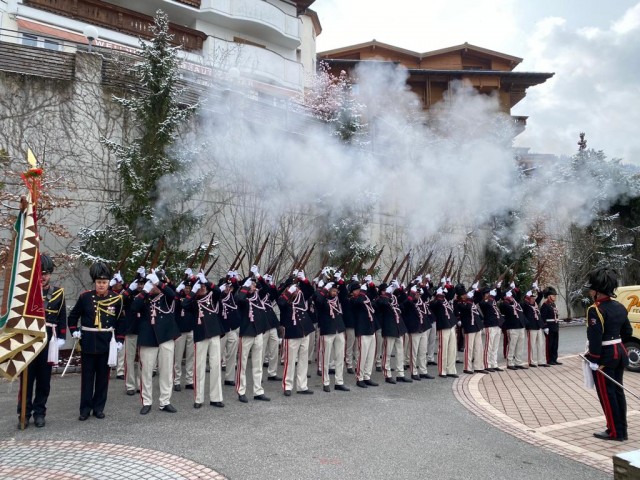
point(23, 399)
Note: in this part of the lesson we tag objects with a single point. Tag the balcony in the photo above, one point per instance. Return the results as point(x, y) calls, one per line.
point(113, 17)
point(257, 18)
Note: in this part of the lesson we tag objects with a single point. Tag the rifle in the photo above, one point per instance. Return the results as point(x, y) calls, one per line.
point(425, 266)
point(241, 260)
point(503, 274)
point(402, 264)
point(305, 260)
point(406, 271)
point(298, 260)
point(195, 256)
point(371, 269)
point(272, 266)
point(206, 253)
point(235, 260)
point(259, 256)
point(358, 266)
point(156, 254)
point(450, 272)
point(124, 259)
point(480, 273)
point(146, 256)
point(166, 260)
point(212, 265)
point(386, 278)
point(323, 263)
point(446, 265)
point(344, 263)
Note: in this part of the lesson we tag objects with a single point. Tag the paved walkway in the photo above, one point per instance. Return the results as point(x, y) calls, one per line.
point(550, 408)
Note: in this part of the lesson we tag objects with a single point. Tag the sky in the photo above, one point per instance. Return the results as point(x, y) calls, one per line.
point(592, 46)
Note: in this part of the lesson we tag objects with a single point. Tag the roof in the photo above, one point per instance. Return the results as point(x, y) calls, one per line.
point(464, 46)
point(302, 5)
point(313, 15)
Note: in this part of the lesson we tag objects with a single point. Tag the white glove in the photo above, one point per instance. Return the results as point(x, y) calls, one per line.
point(459, 323)
point(368, 279)
point(395, 284)
point(118, 277)
point(363, 287)
point(325, 271)
point(475, 285)
point(354, 278)
point(499, 284)
point(133, 286)
point(255, 271)
point(77, 334)
point(189, 272)
point(61, 342)
point(301, 275)
point(329, 286)
point(268, 278)
point(418, 279)
point(512, 285)
point(292, 289)
point(338, 276)
point(141, 271)
point(153, 278)
point(414, 289)
point(223, 288)
point(443, 280)
point(593, 366)
point(389, 290)
point(201, 277)
point(195, 288)
point(546, 331)
point(535, 285)
point(247, 283)
point(235, 274)
point(295, 272)
point(148, 286)
point(320, 284)
point(180, 287)
point(428, 277)
point(449, 280)
point(119, 346)
point(112, 282)
point(230, 274)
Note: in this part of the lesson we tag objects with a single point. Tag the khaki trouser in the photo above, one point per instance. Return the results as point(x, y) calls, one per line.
point(295, 348)
point(447, 351)
point(131, 373)
point(367, 352)
point(379, 347)
point(312, 346)
point(208, 349)
point(270, 349)
point(229, 345)
point(515, 356)
point(491, 346)
point(536, 347)
point(473, 359)
point(432, 337)
point(332, 344)
point(163, 355)
point(246, 345)
point(120, 364)
point(184, 343)
point(351, 349)
point(418, 353)
point(388, 345)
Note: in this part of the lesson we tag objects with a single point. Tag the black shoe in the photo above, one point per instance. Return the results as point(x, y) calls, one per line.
point(223, 368)
point(390, 380)
point(332, 371)
point(417, 378)
point(427, 376)
point(468, 372)
point(442, 376)
point(511, 367)
point(38, 421)
point(243, 398)
point(533, 366)
point(557, 363)
point(26, 423)
point(432, 363)
point(262, 397)
point(188, 386)
point(275, 378)
point(481, 371)
point(168, 408)
point(453, 375)
point(498, 369)
point(287, 393)
point(319, 373)
point(83, 417)
point(378, 369)
point(371, 383)
point(326, 388)
point(490, 369)
point(99, 415)
point(265, 365)
point(145, 409)
point(131, 392)
point(351, 370)
point(605, 436)
point(404, 380)
point(361, 384)
point(546, 365)
point(217, 404)
point(342, 388)
point(197, 405)
point(120, 377)
point(230, 383)
point(522, 367)
point(305, 392)
point(155, 372)
point(177, 388)
point(406, 367)
point(459, 361)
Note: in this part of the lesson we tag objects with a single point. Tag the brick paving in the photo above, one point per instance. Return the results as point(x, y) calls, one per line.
point(550, 408)
point(69, 460)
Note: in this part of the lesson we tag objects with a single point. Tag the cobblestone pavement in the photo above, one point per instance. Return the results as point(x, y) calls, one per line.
point(550, 408)
point(68, 460)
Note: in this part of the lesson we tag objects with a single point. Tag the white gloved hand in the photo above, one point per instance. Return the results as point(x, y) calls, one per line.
point(414, 289)
point(395, 284)
point(195, 289)
point(292, 289)
point(443, 280)
point(189, 272)
point(368, 279)
point(268, 278)
point(141, 271)
point(593, 366)
point(354, 278)
point(535, 285)
point(118, 277)
point(235, 274)
point(338, 275)
point(230, 274)
point(61, 342)
point(180, 287)
point(201, 277)
point(119, 345)
point(546, 331)
point(459, 323)
point(499, 284)
point(512, 285)
point(223, 288)
point(247, 283)
point(418, 279)
point(328, 286)
point(389, 290)
point(77, 334)
point(133, 286)
point(112, 282)
point(301, 275)
point(295, 272)
point(255, 270)
point(148, 286)
point(475, 285)
point(153, 278)
point(320, 284)
point(363, 287)
point(428, 277)
point(449, 280)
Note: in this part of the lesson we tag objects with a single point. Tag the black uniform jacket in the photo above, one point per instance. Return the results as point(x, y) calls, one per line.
point(513, 314)
point(155, 317)
point(469, 315)
point(329, 311)
point(533, 319)
point(269, 294)
point(94, 311)
point(389, 315)
point(363, 314)
point(607, 320)
point(491, 313)
point(184, 318)
point(549, 314)
point(416, 314)
point(443, 312)
point(294, 315)
point(206, 309)
point(55, 311)
point(253, 313)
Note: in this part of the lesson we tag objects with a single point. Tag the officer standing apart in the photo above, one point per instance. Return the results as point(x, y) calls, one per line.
point(607, 327)
point(93, 318)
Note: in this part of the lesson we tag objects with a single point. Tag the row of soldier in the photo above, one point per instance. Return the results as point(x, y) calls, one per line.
point(345, 324)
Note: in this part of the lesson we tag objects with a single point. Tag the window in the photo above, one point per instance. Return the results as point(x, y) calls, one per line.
point(298, 55)
point(51, 44)
point(34, 40)
point(29, 39)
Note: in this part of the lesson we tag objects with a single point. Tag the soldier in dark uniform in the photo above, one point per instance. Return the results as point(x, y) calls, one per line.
point(514, 326)
point(417, 318)
point(549, 314)
point(39, 370)
point(184, 344)
point(535, 334)
point(93, 319)
point(468, 313)
point(127, 333)
point(607, 328)
point(365, 330)
point(446, 327)
point(393, 328)
point(493, 320)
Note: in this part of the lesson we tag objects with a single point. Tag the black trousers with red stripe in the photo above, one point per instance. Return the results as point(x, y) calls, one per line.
point(612, 399)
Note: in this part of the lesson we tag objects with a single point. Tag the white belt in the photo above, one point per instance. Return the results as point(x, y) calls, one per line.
point(611, 342)
point(52, 325)
point(551, 320)
point(89, 329)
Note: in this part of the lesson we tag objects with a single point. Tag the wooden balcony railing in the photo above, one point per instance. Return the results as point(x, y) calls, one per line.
point(191, 3)
point(120, 19)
